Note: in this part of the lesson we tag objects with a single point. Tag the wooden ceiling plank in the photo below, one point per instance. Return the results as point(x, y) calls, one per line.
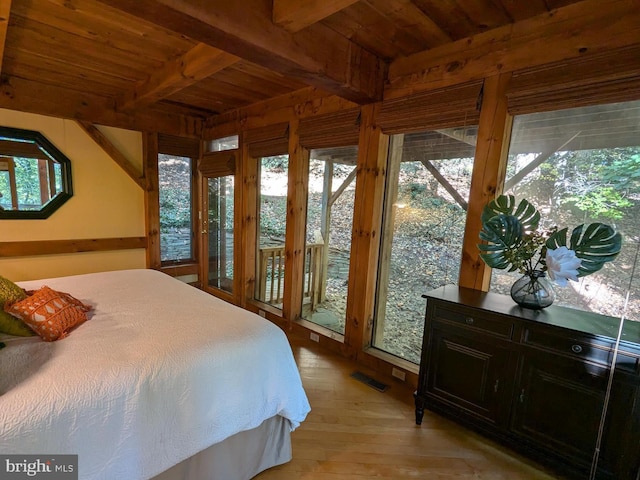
point(200, 62)
point(113, 23)
point(409, 17)
point(523, 10)
point(316, 55)
point(111, 150)
point(95, 29)
point(17, 94)
point(5, 10)
point(46, 40)
point(295, 15)
point(584, 28)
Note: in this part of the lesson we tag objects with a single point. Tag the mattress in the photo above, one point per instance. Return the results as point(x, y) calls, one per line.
point(159, 372)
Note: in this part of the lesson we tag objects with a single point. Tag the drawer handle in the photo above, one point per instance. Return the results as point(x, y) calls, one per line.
point(469, 320)
point(576, 348)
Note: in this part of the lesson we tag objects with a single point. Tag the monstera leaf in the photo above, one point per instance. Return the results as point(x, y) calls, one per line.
point(595, 244)
point(527, 214)
point(503, 234)
point(503, 227)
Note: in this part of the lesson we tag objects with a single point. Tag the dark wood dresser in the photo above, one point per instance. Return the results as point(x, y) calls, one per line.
point(534, 380)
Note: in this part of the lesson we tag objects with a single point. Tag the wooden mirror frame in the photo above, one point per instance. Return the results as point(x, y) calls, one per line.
point(52, 154)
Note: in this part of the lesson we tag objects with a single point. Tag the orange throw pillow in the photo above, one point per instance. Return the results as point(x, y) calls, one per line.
point(49, 313)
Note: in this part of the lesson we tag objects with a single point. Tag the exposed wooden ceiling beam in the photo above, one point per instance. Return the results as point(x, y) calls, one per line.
point(198, 63)
point(580, 29)
point(294, 15)
point(111, 150)
point(5, 9)
point(18, 94)
point(316, 55)
point(302, 103)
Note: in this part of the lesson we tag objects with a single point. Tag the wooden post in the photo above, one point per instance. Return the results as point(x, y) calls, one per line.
point(297, 193)
point(152, 198)
point(372, 161)
point(487, 180)
point(247, 222)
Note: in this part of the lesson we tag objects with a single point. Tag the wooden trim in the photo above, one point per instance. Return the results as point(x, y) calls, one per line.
point(111, 150)
point(152, 199)
point(248, 222)
point(297, 193)
point(56, 247)
point(181, 269)
point(367, 226)
point(488, 176)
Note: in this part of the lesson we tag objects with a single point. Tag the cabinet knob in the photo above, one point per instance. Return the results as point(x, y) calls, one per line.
point(469, 320)
point(576, 348)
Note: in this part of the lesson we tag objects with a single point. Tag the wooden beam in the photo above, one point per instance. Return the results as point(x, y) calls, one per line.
point(577, 30)
point(317, 55)
point(536, 162)
point(367, 228)
point(294, 15)
point(57, 247)
point(300, 104)
point(297, 193)
point(152, 199)
point(5, 10)
point(200, 62)
point(111, 150)
point(445, 184)
point(17, 94)
point(343, 186)
point(489, 169)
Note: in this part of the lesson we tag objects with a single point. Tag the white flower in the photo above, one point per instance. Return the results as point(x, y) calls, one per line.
point(562, 264)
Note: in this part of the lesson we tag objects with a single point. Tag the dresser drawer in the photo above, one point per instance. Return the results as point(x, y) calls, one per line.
point(584, 348)
point(477, 320)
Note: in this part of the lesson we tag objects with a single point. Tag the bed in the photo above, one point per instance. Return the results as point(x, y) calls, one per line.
point(162, 381)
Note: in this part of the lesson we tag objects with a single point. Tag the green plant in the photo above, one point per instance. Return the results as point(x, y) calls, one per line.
point(514, 241)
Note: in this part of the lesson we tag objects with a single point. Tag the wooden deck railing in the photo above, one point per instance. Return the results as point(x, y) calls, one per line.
point(271, 274)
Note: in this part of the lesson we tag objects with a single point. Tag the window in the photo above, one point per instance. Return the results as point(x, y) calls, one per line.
point(220, 214)
point(222, 144)
point(175, 174)
point(428, 181)
point(272, 214)
point(332, 173)
point(582, 165)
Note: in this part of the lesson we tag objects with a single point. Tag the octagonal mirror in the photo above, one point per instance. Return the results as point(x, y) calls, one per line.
point(35, 177)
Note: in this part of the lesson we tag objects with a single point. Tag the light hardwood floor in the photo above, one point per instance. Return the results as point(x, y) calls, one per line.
point(355, 432)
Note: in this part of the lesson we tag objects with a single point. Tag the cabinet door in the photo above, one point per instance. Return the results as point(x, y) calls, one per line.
point(469, 372)
point(558, 405)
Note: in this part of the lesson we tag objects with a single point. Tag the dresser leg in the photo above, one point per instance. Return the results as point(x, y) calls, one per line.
point(419, 408)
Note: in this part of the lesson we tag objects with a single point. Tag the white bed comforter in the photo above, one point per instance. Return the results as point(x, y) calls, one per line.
point(159, 372)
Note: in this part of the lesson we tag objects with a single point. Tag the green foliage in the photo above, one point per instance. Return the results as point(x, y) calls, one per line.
point(603, 201)
point(514, 242)
point(594, 244)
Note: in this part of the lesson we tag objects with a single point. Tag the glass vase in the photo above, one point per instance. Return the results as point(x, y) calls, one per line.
point(533, 290)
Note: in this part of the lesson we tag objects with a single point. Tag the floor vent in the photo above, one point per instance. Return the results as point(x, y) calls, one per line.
point(367, 380)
